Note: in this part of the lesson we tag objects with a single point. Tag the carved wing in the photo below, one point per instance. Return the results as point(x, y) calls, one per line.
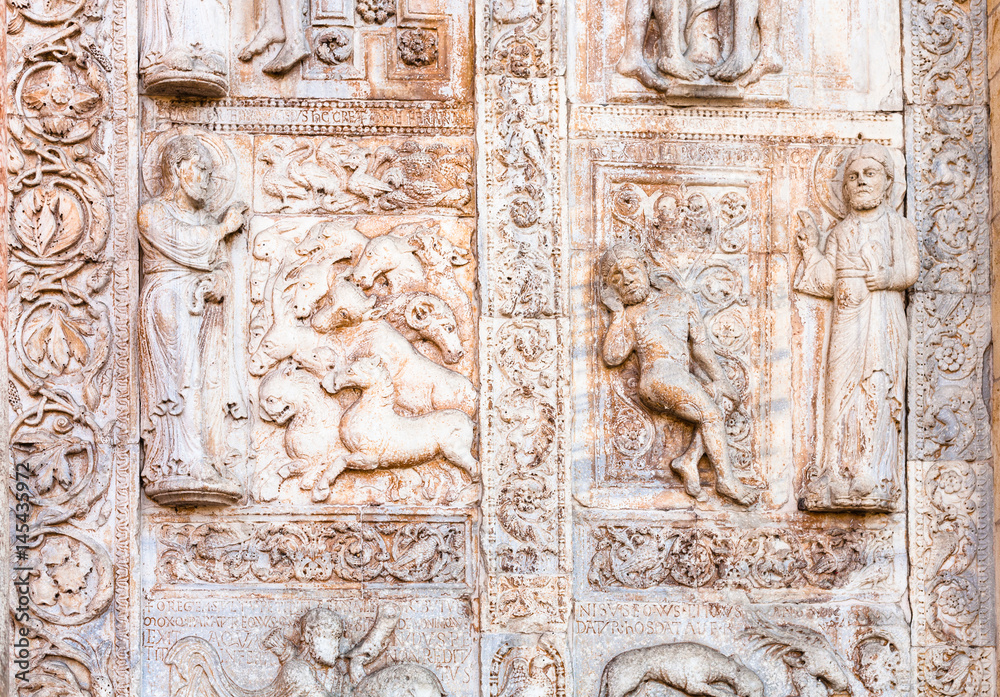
point(196, 671)
point(375, 641)
point(780, 639)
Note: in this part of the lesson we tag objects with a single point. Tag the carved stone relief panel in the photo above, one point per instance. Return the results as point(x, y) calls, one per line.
point(767, 51)
point(351, 275)
point(380, 645)
point(352, 49)
point(770, 649)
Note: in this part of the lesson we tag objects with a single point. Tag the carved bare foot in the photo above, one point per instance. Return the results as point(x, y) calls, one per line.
point(739, 62)
point(765, 65)
point(267, 35)
point(736, 491)
point(288, 57)
point(686, 467)
point(640, 70)
point(680, 67)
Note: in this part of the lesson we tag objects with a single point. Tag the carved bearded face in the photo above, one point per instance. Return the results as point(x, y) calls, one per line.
point(628, 277)
point(193, 175)
point(322, 631)
point(865, 184)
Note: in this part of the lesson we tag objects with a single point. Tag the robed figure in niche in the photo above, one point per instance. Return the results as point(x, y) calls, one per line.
point(189, 385)
point(868, 261)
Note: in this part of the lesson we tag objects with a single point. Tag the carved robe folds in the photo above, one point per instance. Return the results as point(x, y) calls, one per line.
point(188, 383)
point(862, 460)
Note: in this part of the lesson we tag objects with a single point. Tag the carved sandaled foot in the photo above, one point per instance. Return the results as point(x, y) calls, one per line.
point(264, 38)
point(680, 67)
point(765, 65)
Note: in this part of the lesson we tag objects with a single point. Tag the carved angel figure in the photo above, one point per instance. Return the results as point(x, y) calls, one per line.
point(870, 258)
point(189, 386)
point(659, 321)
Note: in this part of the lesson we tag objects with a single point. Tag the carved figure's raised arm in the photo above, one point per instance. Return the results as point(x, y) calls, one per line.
point(619, 341)
point(817, 273)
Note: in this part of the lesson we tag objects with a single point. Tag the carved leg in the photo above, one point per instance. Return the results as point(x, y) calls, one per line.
point(270, 31)
point(638, 14)
point(769, 60)
point(685, 466)
point(706, 690)
point(321, 490)
point(740, 60)
point(671, 17)
point(294, 49)
point(701, 409)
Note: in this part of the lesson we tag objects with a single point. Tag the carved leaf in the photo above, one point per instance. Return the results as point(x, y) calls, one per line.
point(48, 221)
point(50, 458)
point(58, 339)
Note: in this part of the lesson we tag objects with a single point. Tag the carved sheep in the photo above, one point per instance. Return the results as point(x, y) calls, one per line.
point(377, 437)
point(425, 316)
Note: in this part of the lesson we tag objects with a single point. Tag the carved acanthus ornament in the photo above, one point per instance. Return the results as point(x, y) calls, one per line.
point(64, 234)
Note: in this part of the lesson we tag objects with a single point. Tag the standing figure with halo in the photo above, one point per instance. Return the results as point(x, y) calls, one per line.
point(868, 261)
point(189, 386)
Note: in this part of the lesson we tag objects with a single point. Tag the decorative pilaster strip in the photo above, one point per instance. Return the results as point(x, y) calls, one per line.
point(950, 481)
point(71, 278)
point(525, 364)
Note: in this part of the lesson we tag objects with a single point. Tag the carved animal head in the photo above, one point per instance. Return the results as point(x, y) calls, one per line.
point(362, 374)
point(803, 650)
point(346, 306)
point(266, 245)
point(437, 251)
point(283, 393)
point(381, 255)
point(280, 342)
point(334, 241)
point(310, 286)
point(434, 321)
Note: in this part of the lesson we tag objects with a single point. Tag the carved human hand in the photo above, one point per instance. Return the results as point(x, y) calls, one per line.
point(215, 285)
point(808, 234)
point(877, 279)
point(234, 218)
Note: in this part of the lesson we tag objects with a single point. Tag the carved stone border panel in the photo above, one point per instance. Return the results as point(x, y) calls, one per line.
point(952, 583)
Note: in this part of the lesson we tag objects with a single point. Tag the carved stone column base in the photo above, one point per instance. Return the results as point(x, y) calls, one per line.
point(189, 491)
point(819, 504)
point(186, 83)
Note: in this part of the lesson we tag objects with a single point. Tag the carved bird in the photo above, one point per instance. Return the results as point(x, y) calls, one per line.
point(326, 185)
point(421, 551)
point(361, 183)
point(528, 678)
point(276, 181)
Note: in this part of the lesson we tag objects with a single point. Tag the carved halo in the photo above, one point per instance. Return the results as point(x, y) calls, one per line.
point(223, 164)
point(828, 179)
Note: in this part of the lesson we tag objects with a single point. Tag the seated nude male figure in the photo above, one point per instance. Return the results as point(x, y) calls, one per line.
point(663, 326)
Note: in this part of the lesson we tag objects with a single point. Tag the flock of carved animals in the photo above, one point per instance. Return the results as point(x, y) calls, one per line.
point(337, 176)
point(318, 334)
